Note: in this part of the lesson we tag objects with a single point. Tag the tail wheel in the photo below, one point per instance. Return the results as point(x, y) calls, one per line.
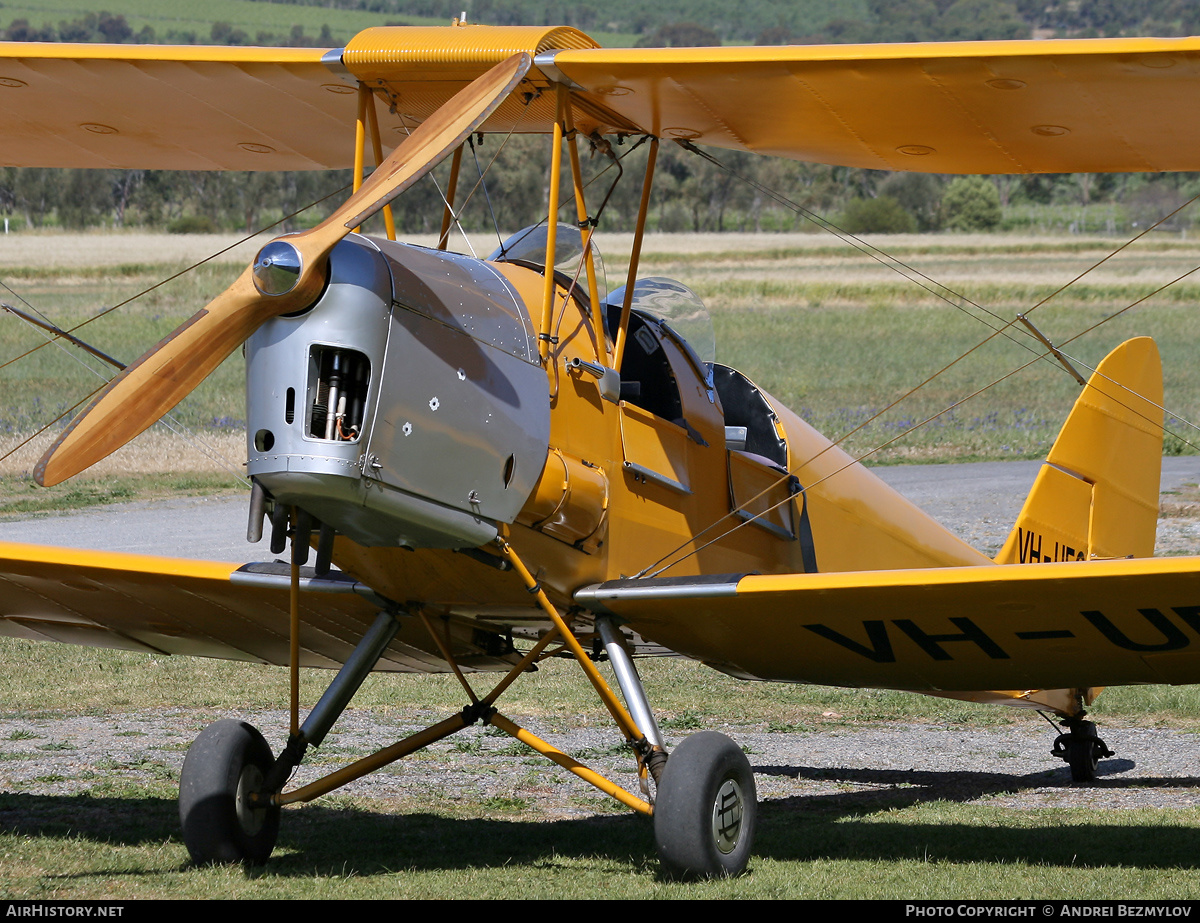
point(706, 809)
point(1082, 756)
point(1080, 749)
point(224, 768)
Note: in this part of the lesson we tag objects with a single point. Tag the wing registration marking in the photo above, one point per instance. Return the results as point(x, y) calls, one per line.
point(1161, 633)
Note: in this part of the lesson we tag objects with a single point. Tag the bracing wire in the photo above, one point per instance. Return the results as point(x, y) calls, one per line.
point(924, 282)
point(169, 421)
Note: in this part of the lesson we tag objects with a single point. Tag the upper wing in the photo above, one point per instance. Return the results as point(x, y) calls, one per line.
point(1035, 626)
point(1104, 105)
point(191, 107)
point(203, 608)
point(1101, 105)
point(172, 108)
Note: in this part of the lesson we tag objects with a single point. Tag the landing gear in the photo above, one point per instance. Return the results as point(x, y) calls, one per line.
point(224, 768)
point(704, 816)
point(1080, 748)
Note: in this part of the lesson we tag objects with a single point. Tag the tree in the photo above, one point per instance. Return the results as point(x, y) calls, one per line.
point(19, 30)
point(35, 192)
point(223, 33)
point(971, 203)
point(124, 184)
point(978, 20)
point(910, 21)
point(920, 194)
point(86, 200)
point(114, 28)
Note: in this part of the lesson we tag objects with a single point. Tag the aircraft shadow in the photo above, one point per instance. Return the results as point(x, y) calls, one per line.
point(849, 825)
point(965, 785)
point(845, 825)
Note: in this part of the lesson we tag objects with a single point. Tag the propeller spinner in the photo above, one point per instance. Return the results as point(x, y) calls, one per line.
point(287, 275)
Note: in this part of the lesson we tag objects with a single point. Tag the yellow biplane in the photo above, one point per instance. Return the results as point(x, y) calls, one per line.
point(495, 461)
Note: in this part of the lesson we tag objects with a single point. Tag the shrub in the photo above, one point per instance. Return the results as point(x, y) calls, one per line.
point(971, 203)
point(882, 215)
point(192, 224)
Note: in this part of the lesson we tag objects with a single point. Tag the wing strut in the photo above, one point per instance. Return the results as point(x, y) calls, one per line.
point(635, 255)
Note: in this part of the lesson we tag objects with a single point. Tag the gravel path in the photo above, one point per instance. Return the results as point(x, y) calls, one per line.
point(1009, 767)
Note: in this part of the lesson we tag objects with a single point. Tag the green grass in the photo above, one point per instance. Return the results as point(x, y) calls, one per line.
point(838, 338)
point(122, 842)
point(120, 839)
point(45, 679)
point(20, 497)
point(823, 329)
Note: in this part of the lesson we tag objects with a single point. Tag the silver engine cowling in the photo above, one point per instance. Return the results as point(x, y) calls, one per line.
point(407, 406)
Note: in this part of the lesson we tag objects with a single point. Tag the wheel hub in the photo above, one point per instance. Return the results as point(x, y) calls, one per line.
point(250, 818)
point(727, 816)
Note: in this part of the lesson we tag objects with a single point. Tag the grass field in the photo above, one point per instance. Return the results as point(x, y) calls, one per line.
point(828, 331)
point(165, 16)
point(248, 16)
point(110, 829)
point(821, 327)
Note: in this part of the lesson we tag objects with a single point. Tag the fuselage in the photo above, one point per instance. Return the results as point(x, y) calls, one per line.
point(451, 432)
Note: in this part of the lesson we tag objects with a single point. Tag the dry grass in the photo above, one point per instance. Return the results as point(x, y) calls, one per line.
point(51, 250)
point(58, 250)
point(156, 450)
point(619, 244)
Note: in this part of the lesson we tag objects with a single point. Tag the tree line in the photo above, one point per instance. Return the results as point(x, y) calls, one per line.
point(115, 29)
point(813, 21)
point(690, 194)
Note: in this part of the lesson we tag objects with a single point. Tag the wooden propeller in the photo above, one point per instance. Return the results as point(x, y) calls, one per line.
point(288, 275)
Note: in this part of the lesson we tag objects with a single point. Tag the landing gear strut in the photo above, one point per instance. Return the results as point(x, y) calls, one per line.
point(1080, 749)
point(232, 789)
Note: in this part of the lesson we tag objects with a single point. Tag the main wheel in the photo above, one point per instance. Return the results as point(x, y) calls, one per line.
point(224, 767)
point(704, 815)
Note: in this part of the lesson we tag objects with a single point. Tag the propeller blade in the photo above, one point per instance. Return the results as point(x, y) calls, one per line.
point(288, 275)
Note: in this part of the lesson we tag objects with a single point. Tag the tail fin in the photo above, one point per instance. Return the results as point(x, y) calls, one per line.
point(1096, 496)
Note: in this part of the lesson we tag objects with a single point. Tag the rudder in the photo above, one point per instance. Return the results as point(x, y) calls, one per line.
point(1096, 495)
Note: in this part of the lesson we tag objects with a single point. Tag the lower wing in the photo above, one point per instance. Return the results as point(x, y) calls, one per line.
point(1027, 627)
point(207, 609)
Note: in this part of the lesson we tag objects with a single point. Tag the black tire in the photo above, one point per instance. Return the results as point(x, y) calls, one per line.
point(1083, 754)
point(706, 809)
point(224, 765)
point(1083, 751)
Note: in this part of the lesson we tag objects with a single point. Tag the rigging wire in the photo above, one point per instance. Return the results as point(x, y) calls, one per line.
point(932, 286)
point(854, 460)
point(455, 215)
point(892, 262)
point(172, 423)
point(900, 267)
point(168, 420)
point(486, 195)
point(182, 272)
